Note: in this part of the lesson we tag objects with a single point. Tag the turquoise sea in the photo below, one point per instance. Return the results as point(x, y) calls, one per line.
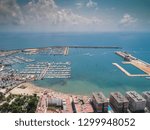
point(92, 69)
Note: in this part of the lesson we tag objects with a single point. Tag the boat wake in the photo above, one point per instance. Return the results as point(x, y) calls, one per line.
point(88, 54)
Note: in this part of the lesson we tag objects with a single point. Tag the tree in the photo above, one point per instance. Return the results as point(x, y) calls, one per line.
point(32, 104)
point(2, 97)
point(4, 108)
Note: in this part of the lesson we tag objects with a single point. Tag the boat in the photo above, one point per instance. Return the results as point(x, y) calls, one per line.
point(148, 78)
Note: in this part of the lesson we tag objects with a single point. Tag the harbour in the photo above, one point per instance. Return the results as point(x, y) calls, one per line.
point(9, 60)
point(129, 59)
point(91, 69)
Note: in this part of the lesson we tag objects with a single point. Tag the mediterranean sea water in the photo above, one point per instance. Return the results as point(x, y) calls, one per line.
point(92, 69)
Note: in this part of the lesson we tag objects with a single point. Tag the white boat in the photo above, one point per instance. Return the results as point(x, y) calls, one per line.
point(148, 78)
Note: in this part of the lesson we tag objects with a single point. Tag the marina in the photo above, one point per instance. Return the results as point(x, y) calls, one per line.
point(9, 60)
point(49, 70)
point(66, 68)
point(8, 52)
point(9, 79)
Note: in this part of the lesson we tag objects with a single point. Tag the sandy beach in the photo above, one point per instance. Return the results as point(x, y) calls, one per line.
point(27, 89)
point(30, 89)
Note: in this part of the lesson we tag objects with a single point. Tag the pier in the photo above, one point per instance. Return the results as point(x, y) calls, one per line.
point(95, 47)
point(23, 59)
point(129, 59)
point(142, 66)
point(43, 73)
point(127, 73)
point(48, 70)
point(51, 50)
point(63, 50)
point(66, 51)
point(12, 51)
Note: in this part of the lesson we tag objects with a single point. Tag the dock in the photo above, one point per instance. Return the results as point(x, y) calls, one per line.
point(66, 51)
point(127, 73)
point(43, 70)
point(43, 73)
point(129, 59)
point(9, 60)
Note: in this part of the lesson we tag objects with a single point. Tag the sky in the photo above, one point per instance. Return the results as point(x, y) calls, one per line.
point(75, 15)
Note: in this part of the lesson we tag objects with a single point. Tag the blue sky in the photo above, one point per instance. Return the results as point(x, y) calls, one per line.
point(75, 15)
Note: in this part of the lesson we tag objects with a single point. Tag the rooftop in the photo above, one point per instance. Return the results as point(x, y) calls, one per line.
point(135, 96)
point(119, 97)
point(99, 97)
point(82, 104)
point(147, 93)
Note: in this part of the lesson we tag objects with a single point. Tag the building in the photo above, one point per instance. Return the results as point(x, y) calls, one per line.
point(146, 95)
point(67, 105)
point(118, 102)
point(82, 104)
point(136, 102)
point(100, 102)
point(54, 102)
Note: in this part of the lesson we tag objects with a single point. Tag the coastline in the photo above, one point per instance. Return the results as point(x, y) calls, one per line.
point(29, 88)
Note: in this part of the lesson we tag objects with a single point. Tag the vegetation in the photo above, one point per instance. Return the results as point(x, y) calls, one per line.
point(19, 104)
point(2, 97)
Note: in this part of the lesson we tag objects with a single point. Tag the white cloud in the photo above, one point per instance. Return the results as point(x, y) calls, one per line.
point(79, 5)
point(127, 20)
point(91, 4)
point(41, 13)
point(10, 12)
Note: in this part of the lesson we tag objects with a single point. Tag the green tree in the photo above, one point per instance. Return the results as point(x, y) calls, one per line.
point(2, 97)
point(4, 108)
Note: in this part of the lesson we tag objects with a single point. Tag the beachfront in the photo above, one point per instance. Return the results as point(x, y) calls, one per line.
point(50, 101)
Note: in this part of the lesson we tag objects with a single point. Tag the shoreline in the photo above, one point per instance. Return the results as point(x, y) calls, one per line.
point(30, 88)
